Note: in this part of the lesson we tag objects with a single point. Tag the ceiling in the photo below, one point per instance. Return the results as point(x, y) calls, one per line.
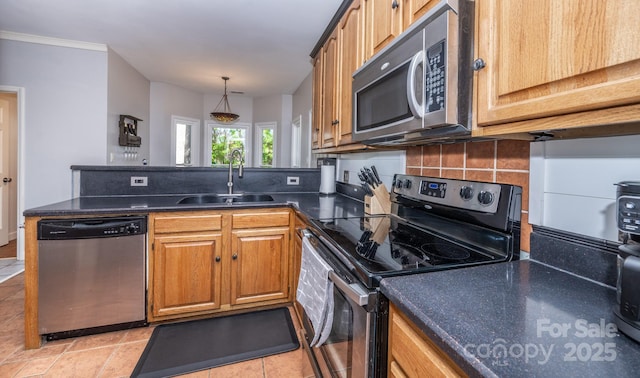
point(262, 45)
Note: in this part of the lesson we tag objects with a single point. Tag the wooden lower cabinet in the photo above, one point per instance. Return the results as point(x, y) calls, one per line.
point(412, 354)
point(187, 271)
point(259, 265)
point(202, 262)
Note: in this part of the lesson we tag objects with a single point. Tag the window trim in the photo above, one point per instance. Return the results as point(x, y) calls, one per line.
point(206, 150)
point(195, 132)
point(258, 127)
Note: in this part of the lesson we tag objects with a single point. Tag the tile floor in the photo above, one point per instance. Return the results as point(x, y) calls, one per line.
point(113, 354)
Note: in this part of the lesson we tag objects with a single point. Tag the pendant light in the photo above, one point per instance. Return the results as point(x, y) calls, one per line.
point(222, 113)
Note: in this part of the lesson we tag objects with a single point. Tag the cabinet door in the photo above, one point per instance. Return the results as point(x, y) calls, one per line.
point(186, 274)
point(547, 58)
point(383, 24)
point(407, 344)
point(350, 34)
point(316, 133)
point(259, 266)
point(330, 103)
point(414, 9)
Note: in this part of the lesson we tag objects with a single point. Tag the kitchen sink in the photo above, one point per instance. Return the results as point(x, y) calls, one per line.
point(224, 198)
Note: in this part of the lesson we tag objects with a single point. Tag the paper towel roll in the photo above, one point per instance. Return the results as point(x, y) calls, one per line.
point(328, 179)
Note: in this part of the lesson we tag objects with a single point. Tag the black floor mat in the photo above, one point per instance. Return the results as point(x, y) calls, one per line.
point(202, 344)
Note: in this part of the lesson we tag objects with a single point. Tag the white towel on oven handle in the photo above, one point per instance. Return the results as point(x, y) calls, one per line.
point(315, 292)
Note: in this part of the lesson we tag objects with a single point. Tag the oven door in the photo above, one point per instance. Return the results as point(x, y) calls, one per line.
point(349, 349)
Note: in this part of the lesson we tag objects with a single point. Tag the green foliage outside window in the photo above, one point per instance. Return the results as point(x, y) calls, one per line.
point(267, 148)
point(223, 141)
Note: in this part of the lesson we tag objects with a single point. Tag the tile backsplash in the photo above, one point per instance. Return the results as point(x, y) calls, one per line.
point(503, 161)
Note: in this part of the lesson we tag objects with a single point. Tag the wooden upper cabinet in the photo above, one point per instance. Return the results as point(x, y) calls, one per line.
point(330, 98)
point(412, 10)
point(317, 101)
point(350, 38)
point(555, 58)
point(383, 24)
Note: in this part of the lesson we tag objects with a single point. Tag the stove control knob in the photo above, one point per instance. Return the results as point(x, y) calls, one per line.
point(485, 198)
point(466, 193)
point(399, 184)
point(630, 205)
point(407, 184)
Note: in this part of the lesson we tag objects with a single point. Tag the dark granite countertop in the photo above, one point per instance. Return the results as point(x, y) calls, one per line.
point(518, 319)
point(311, 205)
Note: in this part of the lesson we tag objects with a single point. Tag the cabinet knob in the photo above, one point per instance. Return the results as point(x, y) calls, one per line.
point(235, 256)
point(7, 179)
point(217, 258)
point(479, 64)
point(394, 4)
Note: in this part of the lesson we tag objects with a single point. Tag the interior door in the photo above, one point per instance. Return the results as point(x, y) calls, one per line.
point(5, 122)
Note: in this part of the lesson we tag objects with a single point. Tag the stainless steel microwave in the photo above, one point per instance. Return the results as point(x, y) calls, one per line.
point(419, 87)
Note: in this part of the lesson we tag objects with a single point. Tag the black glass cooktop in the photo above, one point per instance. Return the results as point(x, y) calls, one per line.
point(383, 246)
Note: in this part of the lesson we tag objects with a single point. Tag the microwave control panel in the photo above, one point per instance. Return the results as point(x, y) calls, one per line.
point(435, 77)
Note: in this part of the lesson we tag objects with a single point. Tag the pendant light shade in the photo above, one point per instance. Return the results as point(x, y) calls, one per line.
point(222, 113)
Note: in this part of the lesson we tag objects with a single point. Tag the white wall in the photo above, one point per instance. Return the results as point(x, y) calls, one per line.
point(387, 164)
point(277, 108)
point(65, 113)
point(302, 105)
point(128, 93)
point(167, 100)
point(572, 183)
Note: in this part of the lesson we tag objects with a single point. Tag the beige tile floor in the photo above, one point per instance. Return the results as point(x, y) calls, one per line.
point(108, 355)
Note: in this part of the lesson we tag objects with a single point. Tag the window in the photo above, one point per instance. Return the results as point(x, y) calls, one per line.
point(222, 139)
point(183, 133)
point(296, 142)
point(265, 156)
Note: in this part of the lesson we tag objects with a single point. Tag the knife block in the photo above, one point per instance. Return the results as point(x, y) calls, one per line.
point(379, 202)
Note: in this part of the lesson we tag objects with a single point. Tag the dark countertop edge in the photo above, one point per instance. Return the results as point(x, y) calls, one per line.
point(450, 345)
point(64, 208)
point(168, 168)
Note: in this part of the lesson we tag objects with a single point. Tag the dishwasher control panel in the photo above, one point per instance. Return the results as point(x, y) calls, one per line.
point(84, 228)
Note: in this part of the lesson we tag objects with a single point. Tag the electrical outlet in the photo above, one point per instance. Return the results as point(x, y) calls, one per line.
point(139, 180)
point(345, 176)
point(293, 180)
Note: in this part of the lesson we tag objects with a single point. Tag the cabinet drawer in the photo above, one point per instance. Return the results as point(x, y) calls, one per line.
point(182, 223)
point(254, 220)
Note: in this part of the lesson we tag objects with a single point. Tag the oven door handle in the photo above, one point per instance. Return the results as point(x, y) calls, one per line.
point(353, 291)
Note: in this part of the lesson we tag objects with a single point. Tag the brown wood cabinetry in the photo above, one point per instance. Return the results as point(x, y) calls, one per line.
point(554, 65)
point(330, 91)
point(260, 258)
point(316, 133)
point(412, 354)
point(412, 10)
point(383, 24)
point(203, 262)
point(351, 45)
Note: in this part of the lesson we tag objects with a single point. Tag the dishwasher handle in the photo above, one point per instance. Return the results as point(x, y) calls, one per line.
point(85, 228)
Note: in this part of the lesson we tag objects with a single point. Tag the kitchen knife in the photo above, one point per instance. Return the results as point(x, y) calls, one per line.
point(371, 177)
point(376, 175)
point(365, 176)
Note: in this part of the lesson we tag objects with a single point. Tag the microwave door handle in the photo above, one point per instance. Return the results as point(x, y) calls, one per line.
point(416, 108)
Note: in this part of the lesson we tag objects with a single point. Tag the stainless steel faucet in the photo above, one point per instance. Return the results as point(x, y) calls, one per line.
point(233, 153)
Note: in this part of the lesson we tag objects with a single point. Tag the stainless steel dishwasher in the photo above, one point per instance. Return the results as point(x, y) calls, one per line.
point(91, 275)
